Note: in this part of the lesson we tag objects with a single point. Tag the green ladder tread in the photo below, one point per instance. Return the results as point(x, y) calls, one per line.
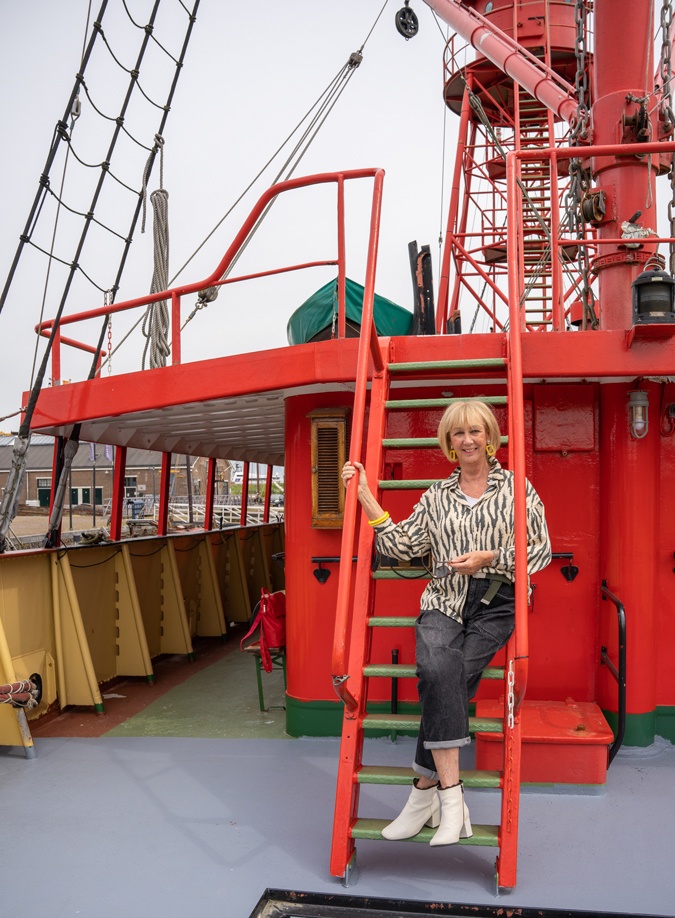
point(419, 442)
point(392, 621)
point(402, 573)
point(407, 484)
point(485, 836)
point(398, 404)
point(412, 722)
point(479, 363)
point(409, 670)
point(397, 774)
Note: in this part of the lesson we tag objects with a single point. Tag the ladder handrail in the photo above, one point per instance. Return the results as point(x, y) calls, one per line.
point(369, 348)
point(517, 442)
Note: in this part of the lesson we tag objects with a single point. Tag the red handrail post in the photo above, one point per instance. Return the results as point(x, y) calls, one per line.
point(56, 358)
point(164, 492)
point(119, 470)
point(342, 267)
point(244, 494)
point(210, 493)
point(175, 328)
point(268, 494)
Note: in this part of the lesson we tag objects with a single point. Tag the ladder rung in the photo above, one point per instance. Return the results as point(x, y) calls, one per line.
point(396, 774)
point(412, 721)
point(401, 573)
point(479, 363)
point(395, 670)
point(486, 836)
point(403, 403)
point(419, 442)
point(409, 484)
point(409, 670)
point(391, 621)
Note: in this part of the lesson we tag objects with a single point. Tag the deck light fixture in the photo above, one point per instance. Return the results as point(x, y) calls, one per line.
point(638, 402)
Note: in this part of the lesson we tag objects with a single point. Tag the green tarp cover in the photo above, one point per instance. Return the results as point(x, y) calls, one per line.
point(317, 312)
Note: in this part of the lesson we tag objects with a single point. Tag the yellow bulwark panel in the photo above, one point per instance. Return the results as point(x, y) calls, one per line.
point(255, 561)
point(273, 544)
point(229, 566)
point(175, 630)
point(76, 676)
point(133, 656)
point(211, 620)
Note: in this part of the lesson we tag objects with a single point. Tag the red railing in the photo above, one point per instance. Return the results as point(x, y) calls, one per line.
point(216, 278)
point(517, 325)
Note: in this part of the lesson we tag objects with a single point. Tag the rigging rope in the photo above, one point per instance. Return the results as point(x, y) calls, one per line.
point(156, 320)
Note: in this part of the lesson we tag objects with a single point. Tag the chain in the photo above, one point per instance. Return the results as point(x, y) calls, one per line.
point(579, 183)
point(580, 126)
point(510, 696)
point(666, 75)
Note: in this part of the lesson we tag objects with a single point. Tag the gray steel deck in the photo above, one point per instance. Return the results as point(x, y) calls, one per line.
point(172, 826)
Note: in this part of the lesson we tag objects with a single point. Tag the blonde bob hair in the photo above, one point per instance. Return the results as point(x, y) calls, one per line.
point(468, 414)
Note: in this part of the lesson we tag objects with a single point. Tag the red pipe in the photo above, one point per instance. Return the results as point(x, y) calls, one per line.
point(528, 71)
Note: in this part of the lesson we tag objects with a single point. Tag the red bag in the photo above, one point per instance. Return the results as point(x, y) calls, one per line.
point(270, 620)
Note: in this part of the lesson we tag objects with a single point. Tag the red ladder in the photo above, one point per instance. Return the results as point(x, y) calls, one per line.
point(353, 667)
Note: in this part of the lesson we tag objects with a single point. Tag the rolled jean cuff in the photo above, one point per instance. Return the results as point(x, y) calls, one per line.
point(447, 744)
point(424, 772)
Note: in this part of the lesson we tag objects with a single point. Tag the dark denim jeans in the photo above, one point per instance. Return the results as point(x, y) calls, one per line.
point(451, 657)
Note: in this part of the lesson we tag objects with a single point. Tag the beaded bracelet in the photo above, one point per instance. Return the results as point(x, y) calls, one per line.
point(380, 519)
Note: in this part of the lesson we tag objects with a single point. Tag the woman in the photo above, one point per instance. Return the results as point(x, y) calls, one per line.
point(467, 609)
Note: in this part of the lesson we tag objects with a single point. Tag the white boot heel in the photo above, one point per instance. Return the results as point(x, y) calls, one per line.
point(455, 820)
point(422, 809)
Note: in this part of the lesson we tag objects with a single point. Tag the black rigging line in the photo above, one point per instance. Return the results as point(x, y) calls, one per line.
point(139, 26)
point(79, 213)
point(58, 136)
point(132, 73)
point(110, 117)
point(32, 401)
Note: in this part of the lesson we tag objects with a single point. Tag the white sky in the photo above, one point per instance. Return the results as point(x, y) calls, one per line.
point(252, 71)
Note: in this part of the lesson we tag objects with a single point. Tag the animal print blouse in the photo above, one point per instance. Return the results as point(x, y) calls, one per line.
point(444, 524)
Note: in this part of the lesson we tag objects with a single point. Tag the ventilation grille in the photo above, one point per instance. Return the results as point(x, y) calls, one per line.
point(329, 451)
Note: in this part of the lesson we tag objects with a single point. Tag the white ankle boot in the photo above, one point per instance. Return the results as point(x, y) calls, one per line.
point(455, 822)
point(422, 809)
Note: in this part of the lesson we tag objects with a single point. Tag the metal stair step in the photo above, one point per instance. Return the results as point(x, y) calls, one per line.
point(396, 774)
point(479, 363)
point(401, 573)
point(409, 670)
point(392, 621)
point(485, 836)
point(410, 484)
point(403, 403)
point(419, 442)
point(412, 722)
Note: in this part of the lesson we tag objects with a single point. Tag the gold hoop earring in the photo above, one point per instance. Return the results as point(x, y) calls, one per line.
point(490, 450)
point(452, 455)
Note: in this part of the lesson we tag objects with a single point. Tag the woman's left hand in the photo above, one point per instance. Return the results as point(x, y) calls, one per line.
point(471, 562)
